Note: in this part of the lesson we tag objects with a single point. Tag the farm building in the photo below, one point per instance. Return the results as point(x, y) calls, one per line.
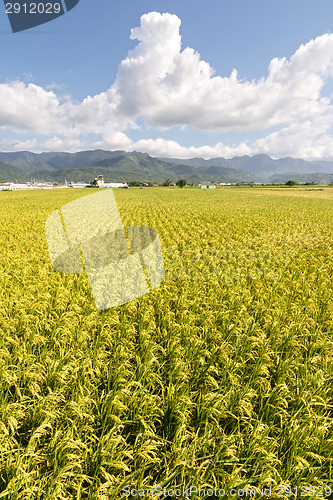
point(78, 185)
point(102, 184)
point(207, 186)
point(13, 186)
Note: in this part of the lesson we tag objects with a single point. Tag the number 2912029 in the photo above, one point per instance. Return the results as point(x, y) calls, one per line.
point(33, 8)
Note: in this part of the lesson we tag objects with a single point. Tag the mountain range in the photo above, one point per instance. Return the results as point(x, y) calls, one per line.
point(120, 166)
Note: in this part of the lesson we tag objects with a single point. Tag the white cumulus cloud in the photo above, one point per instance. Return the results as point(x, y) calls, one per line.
point(164, 85)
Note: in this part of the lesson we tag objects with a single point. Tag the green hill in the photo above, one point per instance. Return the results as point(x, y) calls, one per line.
point(141, 167)
point(119, 166)
point(33, 162)
point(11, 173)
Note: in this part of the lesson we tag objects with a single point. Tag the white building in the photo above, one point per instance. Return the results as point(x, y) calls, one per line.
point(13, 186)
point(79, 185)
point(102, 184)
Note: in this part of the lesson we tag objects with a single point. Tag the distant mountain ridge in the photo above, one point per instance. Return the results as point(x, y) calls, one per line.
point(121, 166)
point(26, 160)
point(262, 165)
point(11, 173)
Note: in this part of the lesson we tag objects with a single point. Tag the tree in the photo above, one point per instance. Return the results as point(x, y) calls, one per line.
point(181, 183)
point(166, 182)
point(95, 183)
point(291, 183)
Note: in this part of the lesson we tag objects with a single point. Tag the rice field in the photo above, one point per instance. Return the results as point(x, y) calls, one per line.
point(219, 378)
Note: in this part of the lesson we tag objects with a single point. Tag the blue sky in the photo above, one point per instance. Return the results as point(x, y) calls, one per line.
point(71, 84)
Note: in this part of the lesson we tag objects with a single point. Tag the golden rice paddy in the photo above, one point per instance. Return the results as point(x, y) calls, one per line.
point(220, 377)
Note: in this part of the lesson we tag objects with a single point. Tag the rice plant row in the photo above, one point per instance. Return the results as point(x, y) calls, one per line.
point(219, 378)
